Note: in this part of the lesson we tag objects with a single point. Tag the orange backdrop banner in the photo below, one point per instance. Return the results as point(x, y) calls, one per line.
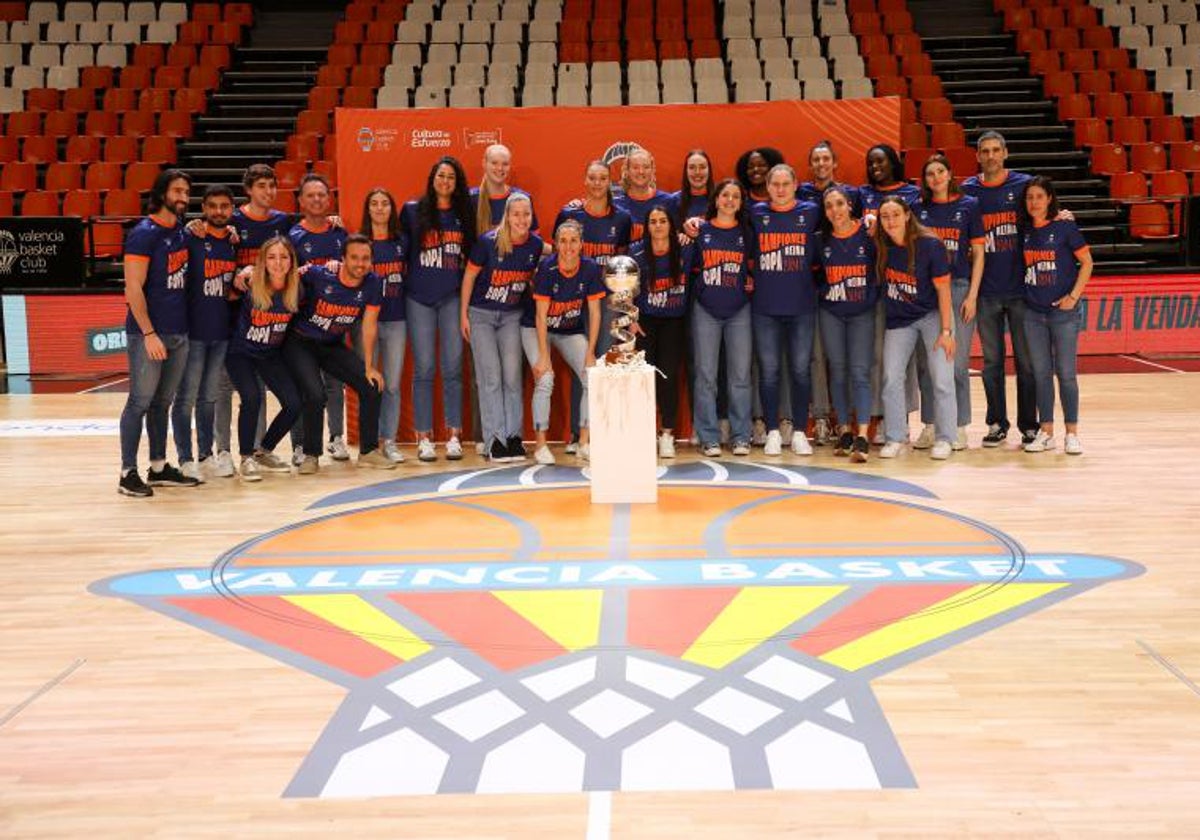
point(552, 146)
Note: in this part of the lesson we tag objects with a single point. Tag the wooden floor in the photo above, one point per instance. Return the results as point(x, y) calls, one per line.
point(1077, 720)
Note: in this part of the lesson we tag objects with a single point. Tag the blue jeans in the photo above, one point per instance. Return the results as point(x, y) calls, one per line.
point(708, 336)
point(992, 314)
point(898, 347)
point(850, 348)
point(389, 360)
point(247, 373)
point(1053, 338)
point(573, 349)
point(499, 373)
point(223, 414)
point(434, 331)
point(770, 332)
point(963, 332)
point(198, 391)
point(152, 387)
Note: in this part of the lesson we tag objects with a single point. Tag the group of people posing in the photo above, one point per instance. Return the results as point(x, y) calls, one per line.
point(850, 304)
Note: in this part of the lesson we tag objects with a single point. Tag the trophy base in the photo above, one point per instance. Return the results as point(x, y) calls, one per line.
point(621, 413)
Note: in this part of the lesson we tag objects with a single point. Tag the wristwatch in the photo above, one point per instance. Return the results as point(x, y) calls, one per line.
point(948, 332)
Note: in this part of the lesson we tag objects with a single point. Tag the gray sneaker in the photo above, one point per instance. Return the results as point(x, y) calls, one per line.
point(392, 450)
point(270, 462)
point(223, 465)
point(192, 470)
point(337, 448)
point(376, 460)
point(309, 465)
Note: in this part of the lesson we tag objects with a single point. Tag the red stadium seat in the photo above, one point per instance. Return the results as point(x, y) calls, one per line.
point(155, 99)
point(1029, 40)
point(936, 110)
point(573, 52)
point(40, 149)
point(1109, 105)
point(1082, 17)
point(699, 28)
point(42, 99)
point(898, 22)
point(1058, 84)
point(352, 31)
point(667, 50)
point(121, 202)
point(192, 32)
point(285, 201)
point(1148, 157)
point(947, 135)
point(79, 99)
point(83, 149)
point(1128, 130)
point(913, 136)
point(869, 45)
point(140, 176)
point(159, 148)
point(240, 13)
point(149, 55)
point(225, 35)
point(1185, 155)
point(379, 55)
point(1042, 62)
point(191, 100)
point(1169, 184)
point(1112, 58)
point(61, 177)
point(216, 55)
point(705, 48)
point(1130, 80)
point(1109, 158)
point(103, 176)
point(203, 77)
point(302, 147)
point(891, 86)
point(904, 43)
point(40, 203)
point(1151, 221)
point(1128, 186)
point(136, 77)
point(345, 55)
point(170, 76)
point(61, 124)
point(378, 32)
point(19, 176)
point(175, 124)
point(963, 161)
point(1097, 37)
point(1074, 106)
point(82, 203)
point(121, 148)
point(1064, 38)
point(96, 77)
point(362, 96)
point(865, 23)
point(10, 148)
point(288, 173)
point(366, 75)
point(880, 65)
point(1095, 81)
point(1050, 17)
point(1016, 20)
point(1077, 61)
point(312, 122)
point(138, 123)
point(6, 203)
point(120, 99)
point(1147, 103)
point(607, 51)
point(668, 29)
point(1091, 132)
point(914, 161)
point(328, 168)
point(1167, 129)
point(916, 64)
point(100, 123)
point(208, 12)
point(322, 98)
point(24, 123)
point(329, 148)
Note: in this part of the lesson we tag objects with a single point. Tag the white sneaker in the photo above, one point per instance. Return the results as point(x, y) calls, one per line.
point(960, 440)
point(337, 448)
point(880, 438)
point(480, 448)
point(453, 449)
point(694, 440)
point(786, 428)
point(891, 449)
point(941, 450)
point(773, 445)
point(758, 435)
point(800, 444)
point(191, 469)
point(572, 447)
point(392, 451)
point(666, 445)
point(250, 470)
point(268, 462)
point(297, 457)
point(543, 455)
point(1073, 446)
point(584, 451)
point(1041, 442)
point(741, 448)
point(926, 438)
point(223, 465)
point(712, 450)
point(725, 430)
point(822, 431)
point(425, 450)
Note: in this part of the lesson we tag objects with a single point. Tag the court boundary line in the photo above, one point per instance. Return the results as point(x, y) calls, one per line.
point(28, 701)
point(1149, 363)
point(1169, 666)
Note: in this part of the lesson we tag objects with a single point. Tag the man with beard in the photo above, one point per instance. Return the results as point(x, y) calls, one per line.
point(212, 261)
point(156, 327)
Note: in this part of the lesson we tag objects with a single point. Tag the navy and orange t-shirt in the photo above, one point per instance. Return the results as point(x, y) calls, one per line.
point(163, 249)
point(317, 245)
point(723, 283)
point(212, 262)
point(503, 282)
point(870, 196)
point(329, 308)
point(566, 293)
point(254, 230)
point(259, 332)
point(1000, 208)
point(783, 258)
point(496, 205)
point(959, 224)
point(639, 208)
point(388, 264)
point(911, 295)
point(663, 295)
point(436, 260)
point(1051, 249)
point(847, 266)
point(603, 236)
point(696, 205)
point(808, 191)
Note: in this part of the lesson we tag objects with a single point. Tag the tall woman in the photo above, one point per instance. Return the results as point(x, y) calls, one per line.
point(638, 190)
point(605, 228)
point(954, 218)
point(489, 197)
point(885, 174)
point(822, 166)
point(440, 227)
point(260, 326)
point(721, 317)
point(911, 262)
point(566, 287)
point(497, 278)
point(389, 255)
point(1058, 266)
point(697, 185)
point(665, 266)
point(752, 169)
point(847, 318)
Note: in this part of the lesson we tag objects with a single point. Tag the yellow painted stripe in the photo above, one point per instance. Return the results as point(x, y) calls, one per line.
point(934, 622)
point(570, 617)
point(753, 616)
point(354, 615)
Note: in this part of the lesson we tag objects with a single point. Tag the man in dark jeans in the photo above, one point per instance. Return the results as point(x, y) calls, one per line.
point(1001, 294)
point(333, 301)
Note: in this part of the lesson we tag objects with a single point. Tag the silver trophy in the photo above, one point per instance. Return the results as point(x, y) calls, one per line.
point(621, 276)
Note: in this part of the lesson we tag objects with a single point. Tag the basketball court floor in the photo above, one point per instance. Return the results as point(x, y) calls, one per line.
point(1003, 644)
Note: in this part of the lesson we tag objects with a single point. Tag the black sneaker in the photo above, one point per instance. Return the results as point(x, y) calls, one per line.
point(169, 476)
point(498, 452)
point(995, 436)
point(131, 484)
point(1028, 435)
point(516, 449)
point(845, 444)
point(859, 452)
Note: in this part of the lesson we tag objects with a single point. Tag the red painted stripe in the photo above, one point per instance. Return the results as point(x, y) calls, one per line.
point(670, 620)
point(878, 608)
point(284, 624)
point(481, 622)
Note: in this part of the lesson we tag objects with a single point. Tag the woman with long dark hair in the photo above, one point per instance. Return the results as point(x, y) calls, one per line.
point(885, 176)
point(752, 168)
point(440, 226)
point(696, 188)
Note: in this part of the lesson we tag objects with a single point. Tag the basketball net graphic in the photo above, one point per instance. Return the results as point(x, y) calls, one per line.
point(496, 633)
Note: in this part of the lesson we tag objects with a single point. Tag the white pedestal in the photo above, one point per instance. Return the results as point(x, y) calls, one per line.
point(621, 414)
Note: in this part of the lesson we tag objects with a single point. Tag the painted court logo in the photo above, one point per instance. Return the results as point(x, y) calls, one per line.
point(496, 632)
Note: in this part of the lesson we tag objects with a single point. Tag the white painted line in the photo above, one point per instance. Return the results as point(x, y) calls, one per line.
point(49, 427)
point(794, 478)
point(1151, 364)
point(105, 385)
point(719, 472)
point(599, 826)
point(20, 707)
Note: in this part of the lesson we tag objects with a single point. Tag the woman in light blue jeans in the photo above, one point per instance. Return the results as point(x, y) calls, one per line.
point(912, 266)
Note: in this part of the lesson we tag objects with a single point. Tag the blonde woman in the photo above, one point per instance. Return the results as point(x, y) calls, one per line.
point(495, 284)
point(639, 193)
point(271, 301)
point(494, 189)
